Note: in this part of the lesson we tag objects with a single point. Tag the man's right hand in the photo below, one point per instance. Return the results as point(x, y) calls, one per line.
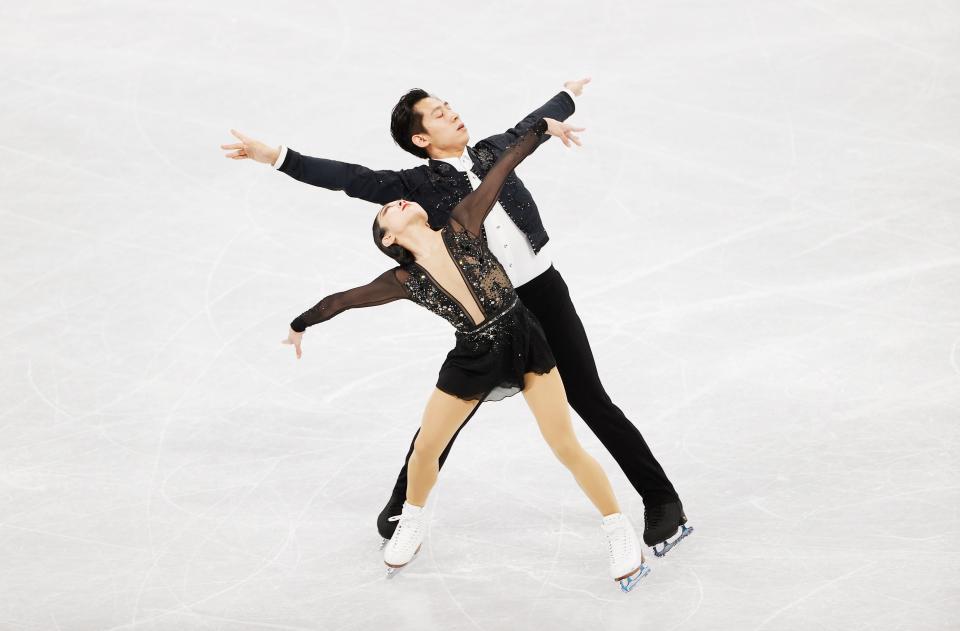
point(563, 131)
point(250, 148)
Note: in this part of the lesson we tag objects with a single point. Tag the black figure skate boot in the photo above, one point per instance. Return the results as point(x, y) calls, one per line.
point(388, 518)
point(660, 522)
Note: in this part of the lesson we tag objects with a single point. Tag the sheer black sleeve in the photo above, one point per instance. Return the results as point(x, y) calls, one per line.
point(473, 209)
point(384, 288)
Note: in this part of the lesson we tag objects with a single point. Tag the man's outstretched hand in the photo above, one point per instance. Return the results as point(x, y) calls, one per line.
point(250, 148)
point(576, 86)
point(563, 131)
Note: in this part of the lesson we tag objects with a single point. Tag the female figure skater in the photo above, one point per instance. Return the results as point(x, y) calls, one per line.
point(500, 350)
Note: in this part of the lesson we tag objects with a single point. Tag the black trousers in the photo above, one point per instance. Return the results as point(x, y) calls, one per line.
point(548, 297)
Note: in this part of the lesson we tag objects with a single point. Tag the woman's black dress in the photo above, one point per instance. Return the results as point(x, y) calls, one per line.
point(489, 359)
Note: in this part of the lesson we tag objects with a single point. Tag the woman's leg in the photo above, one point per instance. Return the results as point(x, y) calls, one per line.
point(442, 417)
point(548, 402)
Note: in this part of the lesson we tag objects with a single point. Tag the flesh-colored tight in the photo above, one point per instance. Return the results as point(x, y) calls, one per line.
point(548, 401)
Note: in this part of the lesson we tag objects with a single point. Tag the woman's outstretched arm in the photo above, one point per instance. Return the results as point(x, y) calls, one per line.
point(473, 209)
point(384, 288)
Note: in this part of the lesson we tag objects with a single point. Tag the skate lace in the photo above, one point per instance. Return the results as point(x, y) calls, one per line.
point(654, 515)
point(616, 543)
point(407, 530)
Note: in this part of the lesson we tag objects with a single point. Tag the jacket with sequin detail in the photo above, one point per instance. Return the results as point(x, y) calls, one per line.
point(438, 186)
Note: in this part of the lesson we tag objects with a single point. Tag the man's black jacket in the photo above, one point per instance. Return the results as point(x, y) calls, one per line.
point(438, 186)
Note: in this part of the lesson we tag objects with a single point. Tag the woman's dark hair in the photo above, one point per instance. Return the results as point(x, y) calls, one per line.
point(405, 122)
point(397, 252)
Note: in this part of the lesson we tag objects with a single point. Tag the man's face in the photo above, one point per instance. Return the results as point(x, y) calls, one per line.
point(444, 128)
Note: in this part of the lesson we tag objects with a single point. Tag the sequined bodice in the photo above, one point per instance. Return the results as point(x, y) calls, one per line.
point(480, 269)
point(487, 282)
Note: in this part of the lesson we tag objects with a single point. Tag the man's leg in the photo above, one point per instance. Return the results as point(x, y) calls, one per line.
point(399, 494)
point(548, 297)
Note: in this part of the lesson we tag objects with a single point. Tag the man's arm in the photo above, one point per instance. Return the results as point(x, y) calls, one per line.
point(355, 180)
point(560, 107)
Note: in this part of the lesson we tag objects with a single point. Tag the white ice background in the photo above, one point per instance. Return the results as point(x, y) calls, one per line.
point(761, 234)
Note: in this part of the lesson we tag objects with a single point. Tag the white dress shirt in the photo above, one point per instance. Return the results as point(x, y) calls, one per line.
point(504, 238)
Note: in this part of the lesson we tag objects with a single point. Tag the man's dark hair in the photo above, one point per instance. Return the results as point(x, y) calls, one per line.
point(397, 252)
point(405, 122)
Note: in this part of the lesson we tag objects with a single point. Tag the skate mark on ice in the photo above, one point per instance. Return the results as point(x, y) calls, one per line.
point(953, 356)
point(866, 32)
point(819, 588)
point(696, 607)
point(187, 608)
point(626, 279)
point(550, 572)
point(436, 566)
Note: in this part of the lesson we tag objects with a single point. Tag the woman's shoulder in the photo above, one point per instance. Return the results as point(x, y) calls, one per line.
point(461, 237)
point(454, 226)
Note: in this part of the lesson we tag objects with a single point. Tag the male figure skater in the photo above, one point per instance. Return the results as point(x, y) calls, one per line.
point(429, 128)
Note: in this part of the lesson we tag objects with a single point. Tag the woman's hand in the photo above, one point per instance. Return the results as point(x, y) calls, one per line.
point(250, 148)
point(294, 338)
point(563, 131)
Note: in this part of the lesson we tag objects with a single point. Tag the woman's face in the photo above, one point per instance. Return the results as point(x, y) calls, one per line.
point(396, 216)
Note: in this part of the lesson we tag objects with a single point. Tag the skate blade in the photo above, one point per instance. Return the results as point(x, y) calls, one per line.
point(393, 569)
point(629, 582)
point(668, 545)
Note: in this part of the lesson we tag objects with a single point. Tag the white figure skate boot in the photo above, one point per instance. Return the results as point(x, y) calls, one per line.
point(405, 543)
point(626, 557)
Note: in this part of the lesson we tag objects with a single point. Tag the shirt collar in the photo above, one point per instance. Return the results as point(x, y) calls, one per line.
point(461, 163)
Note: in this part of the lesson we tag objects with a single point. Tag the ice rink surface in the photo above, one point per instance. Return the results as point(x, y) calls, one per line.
point(761, 234)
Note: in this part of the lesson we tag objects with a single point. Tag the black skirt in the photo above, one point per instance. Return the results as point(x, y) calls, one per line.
point(488, 363)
